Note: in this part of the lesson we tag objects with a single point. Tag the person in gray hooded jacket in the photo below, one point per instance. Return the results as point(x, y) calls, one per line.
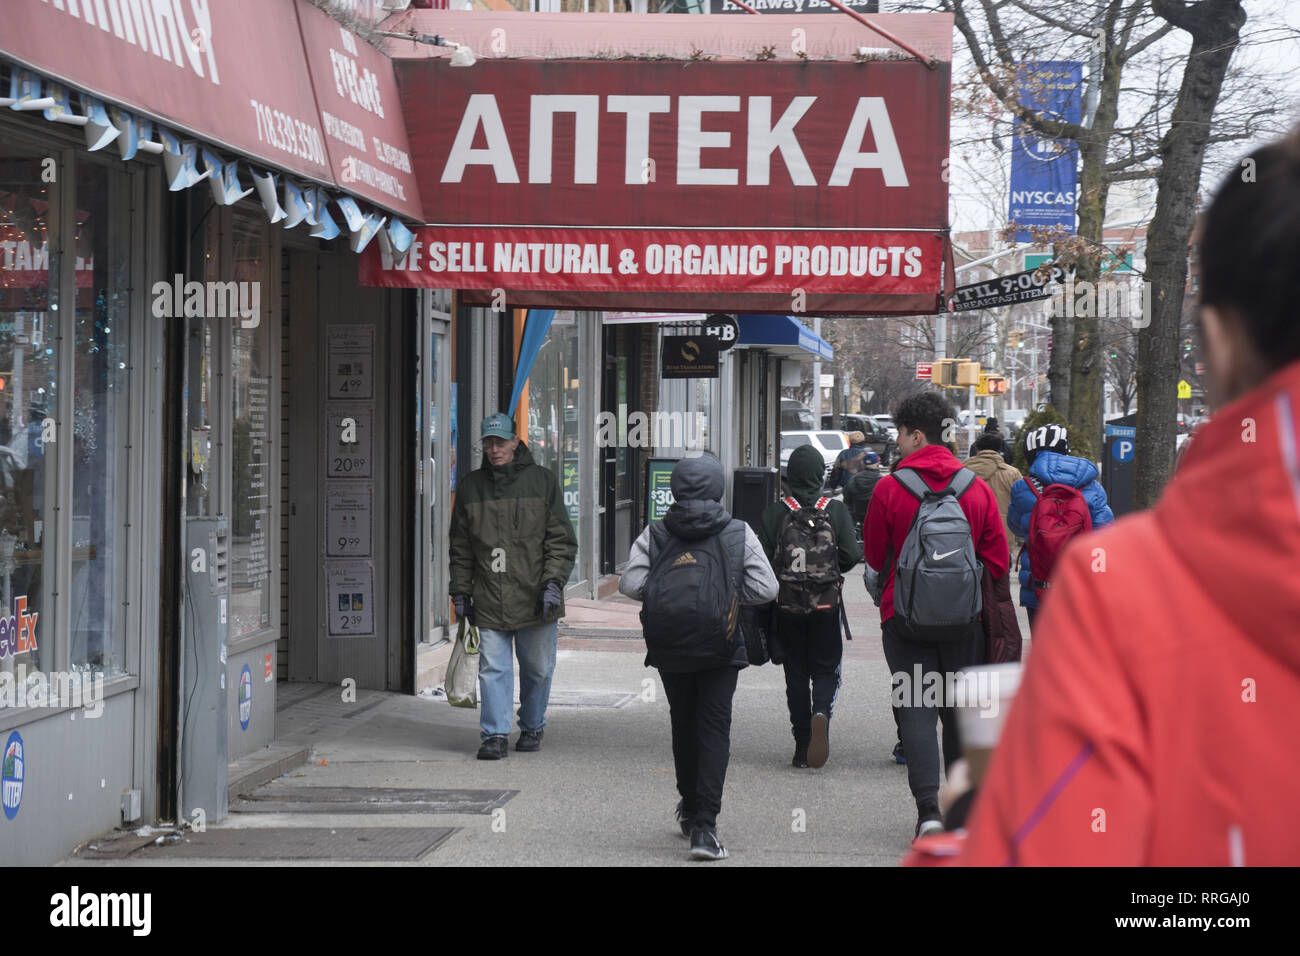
point(700, 692)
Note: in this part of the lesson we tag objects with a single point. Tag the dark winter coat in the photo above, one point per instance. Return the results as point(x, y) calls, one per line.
point(697, 513)
point(518, 509)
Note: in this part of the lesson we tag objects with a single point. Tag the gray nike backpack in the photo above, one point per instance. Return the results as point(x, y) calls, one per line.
point(937, 581)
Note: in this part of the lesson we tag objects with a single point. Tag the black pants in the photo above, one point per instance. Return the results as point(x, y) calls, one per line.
point(916, 723)
point(813, 650)
point(699, 705)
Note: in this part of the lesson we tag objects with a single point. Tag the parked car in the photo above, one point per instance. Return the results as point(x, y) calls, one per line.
point(878, 439)
point(888, 422)
point(796, 416)
point(829, 443)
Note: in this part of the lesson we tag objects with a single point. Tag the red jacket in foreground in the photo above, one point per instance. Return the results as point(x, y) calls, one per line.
point(1156, 723)
point(892, 508)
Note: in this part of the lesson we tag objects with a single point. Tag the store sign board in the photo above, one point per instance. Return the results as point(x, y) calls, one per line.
point(1006, 290)
point(638, 143)
point(784, 264)
point(360, 114)
point(689, 356)
point(246, 75)
point(229, 71)
point(792, 6)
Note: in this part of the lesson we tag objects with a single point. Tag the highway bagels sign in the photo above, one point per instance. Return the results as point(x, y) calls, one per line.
point(752, 178)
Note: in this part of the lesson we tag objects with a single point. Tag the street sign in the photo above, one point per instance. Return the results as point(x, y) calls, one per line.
point(1184, 390)
point(923, 371)
point(689, 356)
point(1006, 290)
point(724, 328)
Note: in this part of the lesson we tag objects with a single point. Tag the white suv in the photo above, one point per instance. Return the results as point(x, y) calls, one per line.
point(830, 443)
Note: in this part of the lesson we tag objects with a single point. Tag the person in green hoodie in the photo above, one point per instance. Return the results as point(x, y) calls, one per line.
point(512, 549)
point(806, 622)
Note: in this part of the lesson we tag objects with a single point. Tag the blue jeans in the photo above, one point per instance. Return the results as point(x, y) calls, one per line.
point(535, 647)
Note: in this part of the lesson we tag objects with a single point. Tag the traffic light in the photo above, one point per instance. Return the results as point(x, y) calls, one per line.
point(954, 373)
point(997, 385)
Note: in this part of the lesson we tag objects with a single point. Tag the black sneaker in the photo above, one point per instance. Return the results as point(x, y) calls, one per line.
point(800, 754)
point(529, 742)
point(929, 821)
point(494, 748)
point(705, 845)
point(683, 820)
point(899, 756)
point(819, 748)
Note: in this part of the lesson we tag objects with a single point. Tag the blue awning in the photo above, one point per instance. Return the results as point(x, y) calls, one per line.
point(782, 333)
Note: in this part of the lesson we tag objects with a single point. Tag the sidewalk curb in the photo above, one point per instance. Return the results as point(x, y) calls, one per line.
point(581, 631)
point(253, 770)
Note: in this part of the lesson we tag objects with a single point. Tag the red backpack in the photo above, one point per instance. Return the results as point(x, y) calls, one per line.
point(1060, 513)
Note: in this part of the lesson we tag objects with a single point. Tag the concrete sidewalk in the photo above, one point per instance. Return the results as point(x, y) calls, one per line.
point(601, 792)
point(613, 616)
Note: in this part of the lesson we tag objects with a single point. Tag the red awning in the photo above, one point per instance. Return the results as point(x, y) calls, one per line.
point(678, 163)
point(246, 75)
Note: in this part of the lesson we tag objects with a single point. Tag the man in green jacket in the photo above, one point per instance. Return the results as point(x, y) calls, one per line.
point(806, 623)
point(512, 548)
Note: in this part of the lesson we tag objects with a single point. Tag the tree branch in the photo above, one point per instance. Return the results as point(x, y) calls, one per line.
point(1049, 128)
point(1061, 25)
point(1145, 42)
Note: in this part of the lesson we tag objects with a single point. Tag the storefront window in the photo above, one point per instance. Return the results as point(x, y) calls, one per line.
point(28, 371)
point(100, 446)
point(553, 402)
point(250, 591)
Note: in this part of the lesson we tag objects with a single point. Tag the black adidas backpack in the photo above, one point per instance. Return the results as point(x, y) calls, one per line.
point(690, 608)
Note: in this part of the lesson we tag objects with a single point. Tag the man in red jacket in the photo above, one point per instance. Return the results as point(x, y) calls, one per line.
point(1155, 723)
point(922, 421)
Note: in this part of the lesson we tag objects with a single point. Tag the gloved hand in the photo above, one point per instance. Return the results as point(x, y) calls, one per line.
point(550, 600)
point(464, 607)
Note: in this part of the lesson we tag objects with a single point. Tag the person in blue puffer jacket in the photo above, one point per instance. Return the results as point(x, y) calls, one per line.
point(1047, 450)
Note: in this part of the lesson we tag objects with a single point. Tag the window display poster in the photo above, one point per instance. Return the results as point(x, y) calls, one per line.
point(659, 493)
point(349, 459)
point(351, 361)
point(350, 595)
point(569, 482)
point(349, 510)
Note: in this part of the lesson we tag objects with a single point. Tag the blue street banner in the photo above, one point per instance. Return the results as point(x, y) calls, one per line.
point(1044, 172)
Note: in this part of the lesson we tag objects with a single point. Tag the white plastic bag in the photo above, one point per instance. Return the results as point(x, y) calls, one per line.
point(462, 671)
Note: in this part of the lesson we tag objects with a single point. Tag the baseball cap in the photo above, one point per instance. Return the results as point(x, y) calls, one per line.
point(498, 425)
point(872, 458)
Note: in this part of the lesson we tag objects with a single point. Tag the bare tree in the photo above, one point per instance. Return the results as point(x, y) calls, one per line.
point(1140, 49)
point(1121, 349)
point(1215, 28)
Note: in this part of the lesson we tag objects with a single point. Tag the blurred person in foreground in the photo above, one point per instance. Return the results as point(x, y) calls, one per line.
point(1141, 702)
